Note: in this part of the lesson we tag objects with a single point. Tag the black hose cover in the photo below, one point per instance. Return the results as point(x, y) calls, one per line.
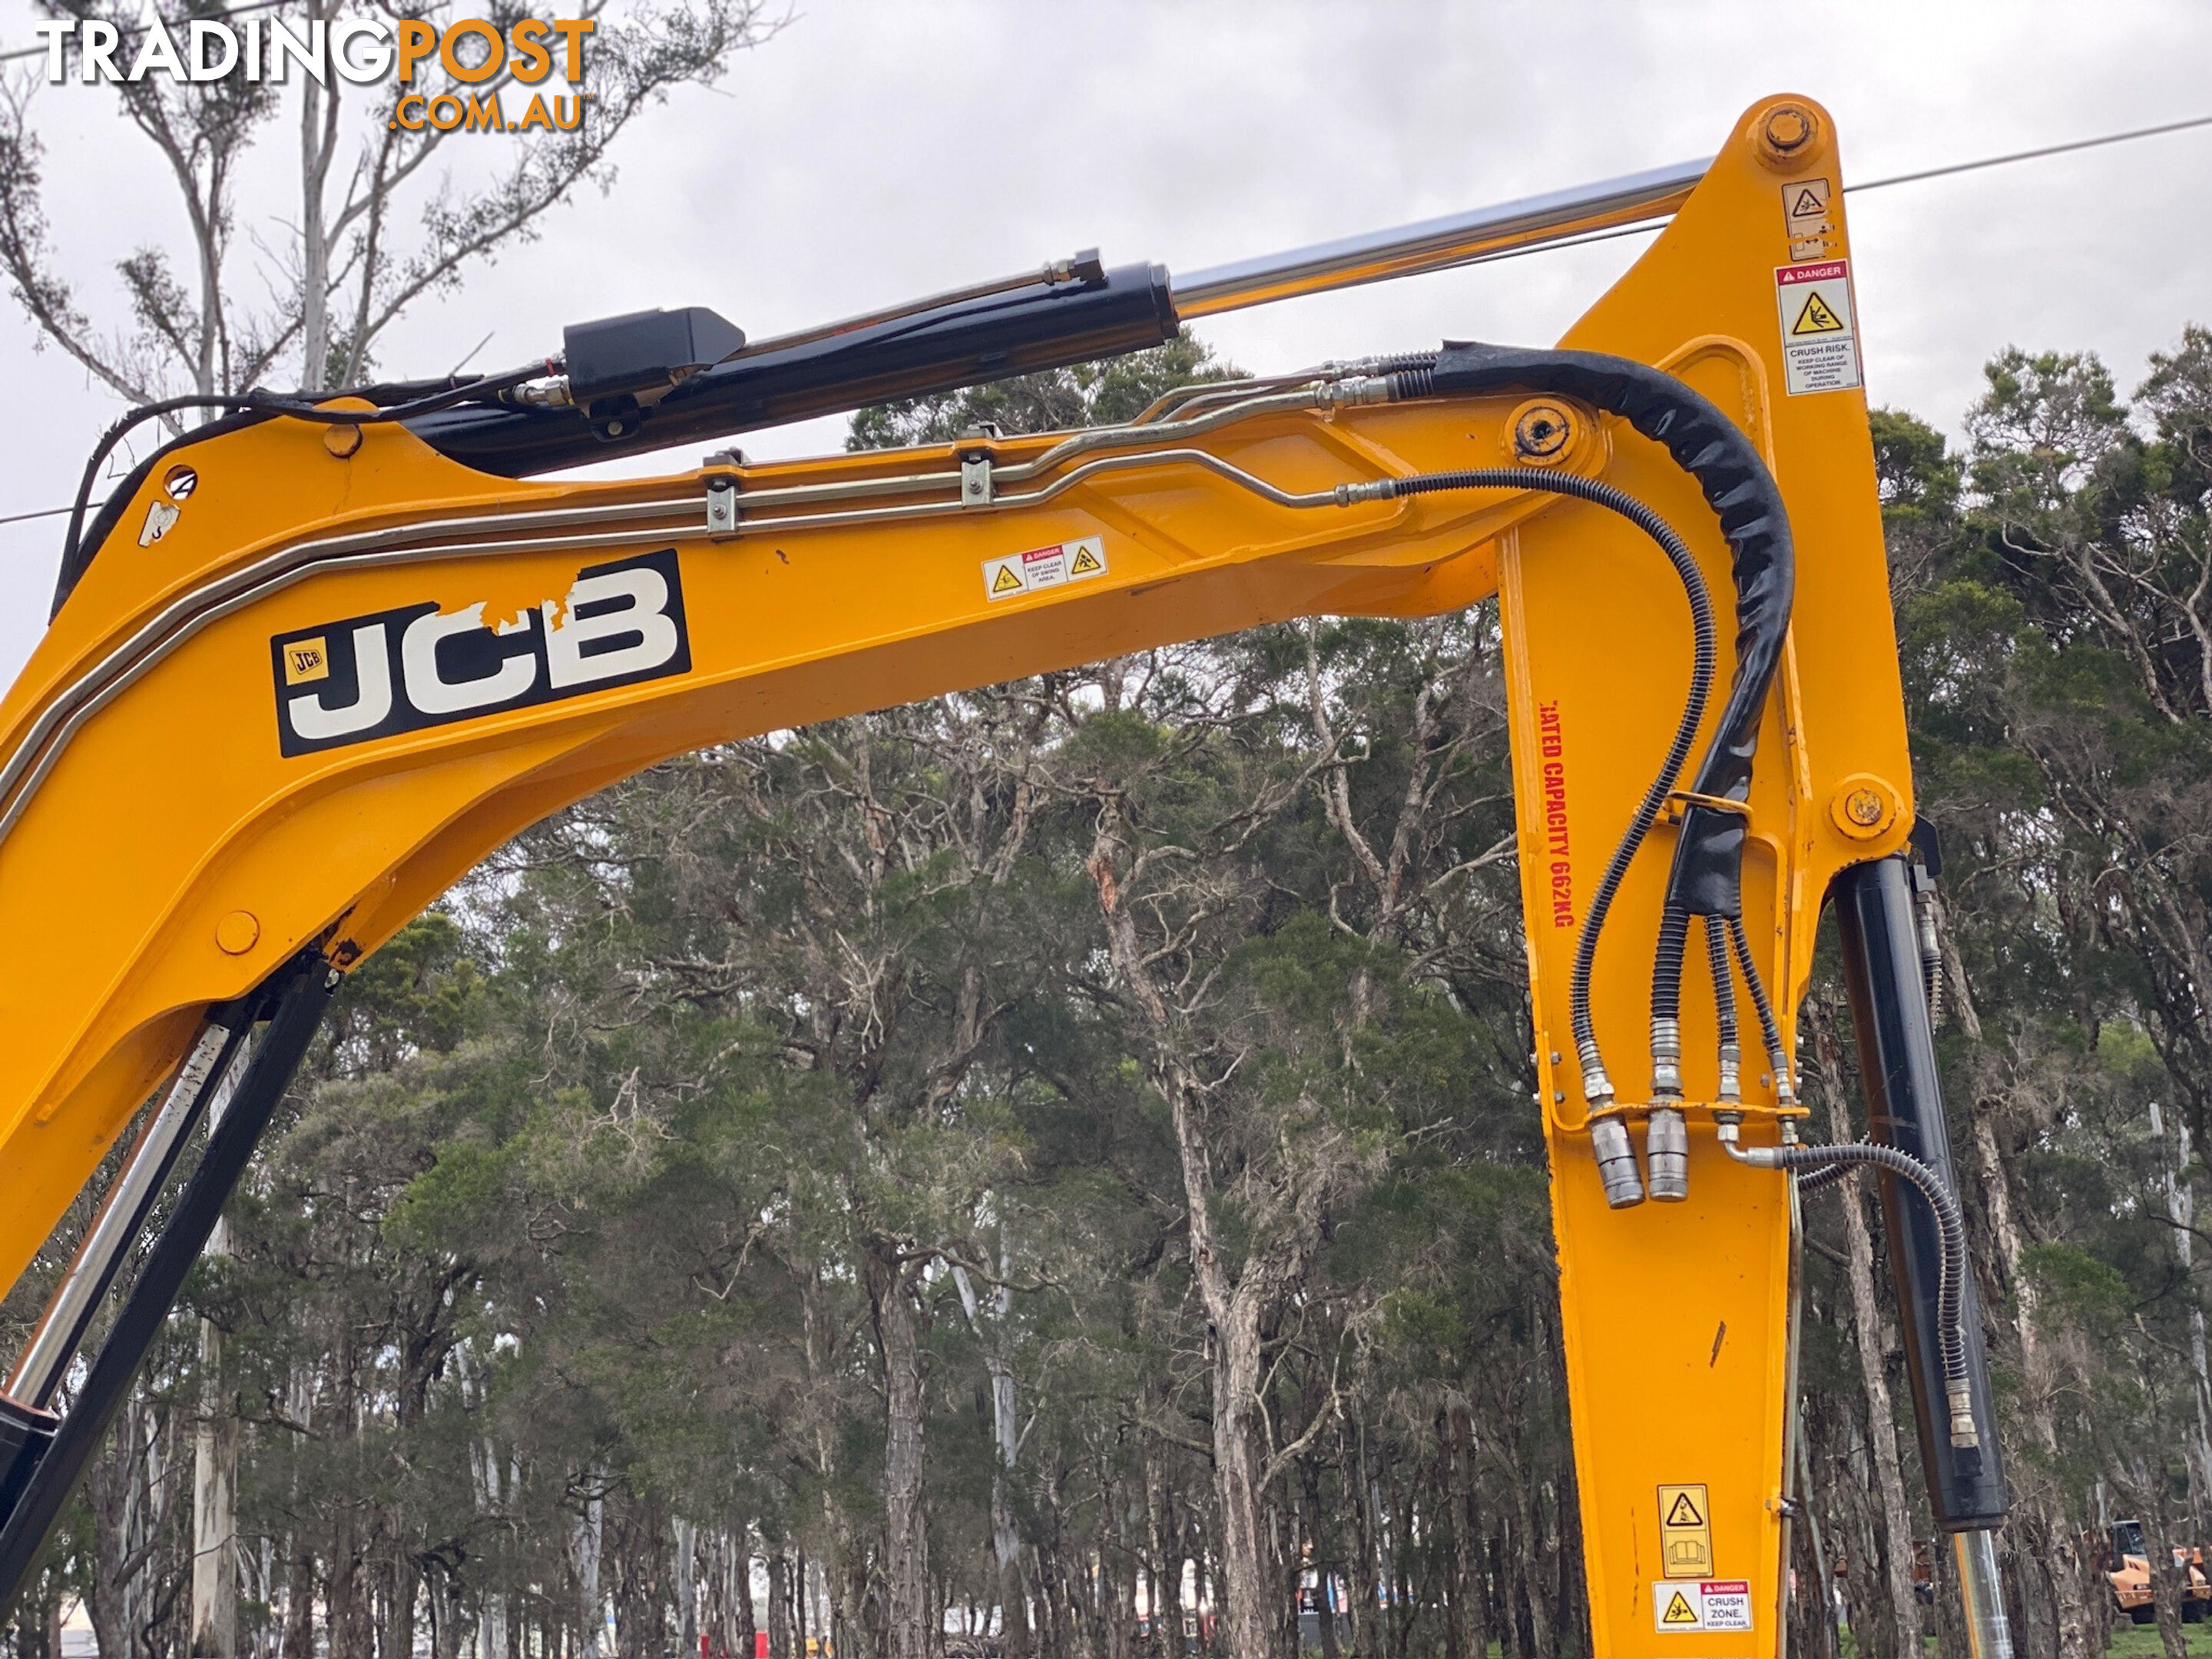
point(1706, 878)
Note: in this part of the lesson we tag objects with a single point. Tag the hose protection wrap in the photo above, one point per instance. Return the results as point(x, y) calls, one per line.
point(1706, 878)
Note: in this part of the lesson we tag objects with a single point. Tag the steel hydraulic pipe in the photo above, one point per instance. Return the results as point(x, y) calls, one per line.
point(1981, 1593)
point(1437, 243)
point(39, 1371)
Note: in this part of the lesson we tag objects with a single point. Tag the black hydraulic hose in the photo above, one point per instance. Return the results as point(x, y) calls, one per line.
point(1706, 876)
point(296, 407)
point(1950, 1222)
point(1685, 730)
point(1769, 1031)
point(1716, 957)
point(1827, 1176)
point(1667, 1002)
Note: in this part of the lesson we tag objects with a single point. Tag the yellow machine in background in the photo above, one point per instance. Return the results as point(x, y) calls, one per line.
point(312, 663)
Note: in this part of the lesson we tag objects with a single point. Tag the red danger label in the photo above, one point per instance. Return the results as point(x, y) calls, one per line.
point(1826, 271)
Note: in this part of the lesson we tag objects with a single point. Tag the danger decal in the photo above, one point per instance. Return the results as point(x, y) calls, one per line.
point(419, 665)
point(1820, 329)
point(1708, 1604)
point(1062, 562)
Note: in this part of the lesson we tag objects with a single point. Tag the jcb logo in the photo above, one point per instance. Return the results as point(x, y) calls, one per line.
point(401, 671)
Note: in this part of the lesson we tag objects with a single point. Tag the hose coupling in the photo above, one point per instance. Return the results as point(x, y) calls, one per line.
point(1666, 1060)
point(1783, 1094)
point(1756, 1158)
point(1667, 1152)
point(1731, 1086)
point(1352, 495)
point(1616, 1163)
point(1964, 1432)
point(1354, 389)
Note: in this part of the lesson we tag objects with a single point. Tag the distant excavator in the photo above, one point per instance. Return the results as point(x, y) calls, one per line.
point(313, 660)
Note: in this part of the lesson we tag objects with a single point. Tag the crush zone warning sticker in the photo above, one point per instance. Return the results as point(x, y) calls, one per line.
point(1819, 330)
point(1044, 567)
point(1712, 1604)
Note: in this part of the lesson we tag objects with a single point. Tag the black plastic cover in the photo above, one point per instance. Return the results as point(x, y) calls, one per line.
point(644, 351)
point(1706, 878)
point(1041, 325)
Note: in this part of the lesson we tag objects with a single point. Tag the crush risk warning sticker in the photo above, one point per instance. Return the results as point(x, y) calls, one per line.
point(1820, 329)
point(1709, 1604)
point(1685, 1536)
point(1044, 567)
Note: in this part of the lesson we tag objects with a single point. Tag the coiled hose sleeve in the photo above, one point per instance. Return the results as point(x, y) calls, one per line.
point(1813, 1180)
point(1950, 1222)
point(1706, 877)
point(1704, 653)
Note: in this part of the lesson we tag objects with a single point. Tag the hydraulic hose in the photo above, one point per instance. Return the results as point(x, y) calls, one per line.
point(1706, 877)
point(1716, 958)
point(1616, 1157)
point(1950, 1222)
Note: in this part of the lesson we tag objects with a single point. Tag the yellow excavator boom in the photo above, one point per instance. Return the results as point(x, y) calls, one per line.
point(319, 669)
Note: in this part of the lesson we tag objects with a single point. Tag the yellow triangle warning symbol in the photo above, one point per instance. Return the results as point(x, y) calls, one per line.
point(1817, 317)
point(1807, 206)
point(1086, 561)
point(1005, 581)
point(1679, 1610)
point(1684, 1513)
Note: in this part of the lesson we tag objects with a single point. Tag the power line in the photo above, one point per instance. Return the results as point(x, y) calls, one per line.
point(1654, 228)
point(2032, 155)
point(2038, 154)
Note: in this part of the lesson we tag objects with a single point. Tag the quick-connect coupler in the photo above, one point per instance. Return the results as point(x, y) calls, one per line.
point(1616, 1163)
point(1666, 1151)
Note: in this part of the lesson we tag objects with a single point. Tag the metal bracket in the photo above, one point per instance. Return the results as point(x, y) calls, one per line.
point(976, 488)
point(721, 507)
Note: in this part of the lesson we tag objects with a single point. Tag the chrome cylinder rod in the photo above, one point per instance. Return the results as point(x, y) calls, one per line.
point(1437, 243)
point(1981, 1593)
point(45, 1357)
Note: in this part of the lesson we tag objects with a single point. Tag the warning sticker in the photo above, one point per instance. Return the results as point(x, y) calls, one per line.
point(1709, 1604)
point(1805, 211)
point(1044, 567)
point(1685, 1536)
point(1819, 333)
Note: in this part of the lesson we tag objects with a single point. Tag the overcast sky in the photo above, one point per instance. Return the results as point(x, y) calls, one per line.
point(875, 151)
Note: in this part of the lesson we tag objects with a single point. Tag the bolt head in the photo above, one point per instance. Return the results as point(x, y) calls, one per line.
point(1787, 137)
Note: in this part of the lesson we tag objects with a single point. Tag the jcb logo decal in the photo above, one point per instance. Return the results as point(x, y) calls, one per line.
point(401, 671)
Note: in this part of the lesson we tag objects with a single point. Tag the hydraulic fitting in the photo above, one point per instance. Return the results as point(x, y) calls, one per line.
point(1666, 1060)
point(1353, 390)
point(1731, 1087)
point(1616, 1163)
point(1963, 1431)
point(1666, 1151)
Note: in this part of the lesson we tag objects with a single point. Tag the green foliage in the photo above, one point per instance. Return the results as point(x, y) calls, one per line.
point(1102, 394)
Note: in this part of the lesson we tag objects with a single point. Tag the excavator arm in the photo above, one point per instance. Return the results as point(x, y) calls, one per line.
point(311, 667)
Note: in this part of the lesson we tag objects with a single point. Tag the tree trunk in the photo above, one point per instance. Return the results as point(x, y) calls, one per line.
point(1233, 1311)
point(906, 1542)
point(589, 1543)
point(779, 1606)
point(687, 1589)
point(214, 1496)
